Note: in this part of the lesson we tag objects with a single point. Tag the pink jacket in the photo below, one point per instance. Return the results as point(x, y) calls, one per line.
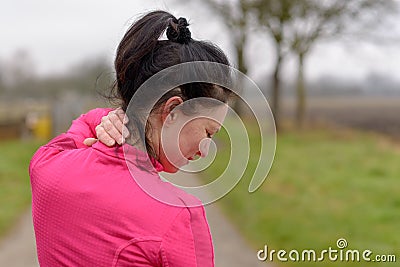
point(88, 210)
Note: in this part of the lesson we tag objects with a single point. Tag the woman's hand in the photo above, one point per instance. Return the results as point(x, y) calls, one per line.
point(110, 130)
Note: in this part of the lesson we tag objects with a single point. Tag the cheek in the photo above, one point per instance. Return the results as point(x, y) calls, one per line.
point(189, 140)
point(171, 156)
point(170, 145)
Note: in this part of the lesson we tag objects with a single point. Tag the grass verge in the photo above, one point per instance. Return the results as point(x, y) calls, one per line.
point(15, 193)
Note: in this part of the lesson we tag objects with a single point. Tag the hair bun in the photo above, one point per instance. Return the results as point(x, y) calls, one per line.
point(177, 31)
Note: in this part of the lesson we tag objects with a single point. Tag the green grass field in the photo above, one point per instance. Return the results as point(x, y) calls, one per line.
point(15, 192)
point(323, 186)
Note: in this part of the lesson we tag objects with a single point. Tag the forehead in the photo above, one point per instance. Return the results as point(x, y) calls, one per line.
point(200, 123)
point(213, 117)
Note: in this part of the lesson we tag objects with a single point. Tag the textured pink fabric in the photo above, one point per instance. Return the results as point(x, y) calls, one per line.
point(88, 210)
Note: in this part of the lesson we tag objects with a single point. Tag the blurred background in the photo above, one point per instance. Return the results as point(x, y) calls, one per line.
point(328, 68)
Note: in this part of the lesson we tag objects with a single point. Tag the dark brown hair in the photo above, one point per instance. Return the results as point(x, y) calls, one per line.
point(141, 54)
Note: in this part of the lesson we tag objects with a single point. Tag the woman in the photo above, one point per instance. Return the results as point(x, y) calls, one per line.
point(87, 209)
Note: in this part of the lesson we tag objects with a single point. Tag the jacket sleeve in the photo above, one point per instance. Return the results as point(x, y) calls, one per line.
point(85, 126)
point(188, 242)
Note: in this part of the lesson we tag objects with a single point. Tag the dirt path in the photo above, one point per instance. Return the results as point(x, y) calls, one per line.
point(230, 248)
point(18, 248)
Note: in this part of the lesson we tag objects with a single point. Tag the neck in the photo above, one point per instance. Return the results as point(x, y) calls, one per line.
point(154, 135)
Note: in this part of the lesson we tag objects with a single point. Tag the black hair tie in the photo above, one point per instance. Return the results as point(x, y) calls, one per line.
point(177, 31)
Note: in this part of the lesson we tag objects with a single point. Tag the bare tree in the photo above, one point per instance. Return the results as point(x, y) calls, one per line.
point(18, 69)
point(236, 16)
point(297, 25)
point(273, 17)
point(315, 20)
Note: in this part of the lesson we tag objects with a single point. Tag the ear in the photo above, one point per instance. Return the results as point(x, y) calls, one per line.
point(170, 104)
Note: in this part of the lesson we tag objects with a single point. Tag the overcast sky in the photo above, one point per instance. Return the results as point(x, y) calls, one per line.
point(59, 34)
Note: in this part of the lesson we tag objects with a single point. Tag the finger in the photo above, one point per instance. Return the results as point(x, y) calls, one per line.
point(125, 132)
point(115, 133)
point(115, 118)
point(89, 141)
point(111, 129)
point(121, 114)
point(116, 121)
point(103, 136)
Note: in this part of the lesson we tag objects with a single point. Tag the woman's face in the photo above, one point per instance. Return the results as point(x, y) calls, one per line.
point(183, 137)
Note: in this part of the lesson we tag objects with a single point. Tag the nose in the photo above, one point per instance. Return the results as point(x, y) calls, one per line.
point(204, 147)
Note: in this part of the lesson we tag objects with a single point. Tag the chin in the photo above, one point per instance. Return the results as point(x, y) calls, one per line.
point(172, 170)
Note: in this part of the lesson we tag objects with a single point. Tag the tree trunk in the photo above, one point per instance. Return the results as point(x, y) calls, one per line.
point(240, 56)
point(242, 68)
point(276, 89)
point(301, 99)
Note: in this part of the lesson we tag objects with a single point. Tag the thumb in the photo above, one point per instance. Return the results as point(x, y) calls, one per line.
point(89, 141)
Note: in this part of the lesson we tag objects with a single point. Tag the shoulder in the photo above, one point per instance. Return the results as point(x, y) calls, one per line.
point(48, 151)
point(97, 112)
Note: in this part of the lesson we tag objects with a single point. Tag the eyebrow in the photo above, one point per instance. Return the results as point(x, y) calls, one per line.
point(216, 129)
